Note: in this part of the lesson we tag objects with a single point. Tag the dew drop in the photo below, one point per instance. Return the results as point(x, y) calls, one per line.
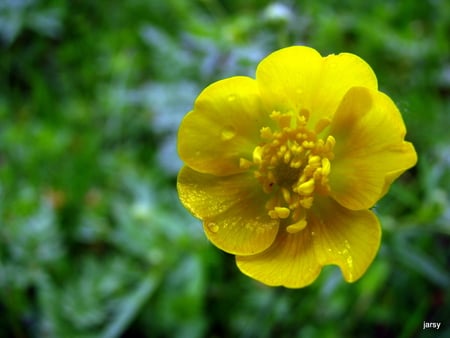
point(228, 132)
point(350, 262)
point(231, 98)
point(213, 227)
point(347, 244)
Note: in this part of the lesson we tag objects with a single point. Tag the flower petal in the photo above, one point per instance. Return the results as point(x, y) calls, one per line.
point(290, 261)
point(223, 127)
point(334, 235)
point(298, 77)
point(289, 77)
point(347, 238)
point(370, 151)
point(232, 210)
point(339, 73)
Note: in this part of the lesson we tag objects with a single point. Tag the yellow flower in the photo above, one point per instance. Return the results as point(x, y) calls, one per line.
point(283, 169)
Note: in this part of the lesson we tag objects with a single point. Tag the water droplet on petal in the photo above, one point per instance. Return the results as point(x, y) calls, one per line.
point(213, 227)
point(228, 132)
point(231, 98)
point(347, 244)
point(350, 262)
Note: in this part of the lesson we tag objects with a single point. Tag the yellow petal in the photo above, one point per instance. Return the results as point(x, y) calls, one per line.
point(339, 73)
point(349, 239)
point(232, 209)
point(289, 262)
point(223, 127)
point(298, 77)
point(370, 150)
point(334, 236)
point(288, 78)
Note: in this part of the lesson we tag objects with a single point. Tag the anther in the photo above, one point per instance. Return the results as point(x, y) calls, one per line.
point(331, 141)
point(279, 212)
point(308, 144)
point(314, 160)
point(257, 155)
point(326, 166)
point(286, 195)
point(287, 157)
point(307, 202)
point(296, 227)
point(266, 133)
point(306, 188)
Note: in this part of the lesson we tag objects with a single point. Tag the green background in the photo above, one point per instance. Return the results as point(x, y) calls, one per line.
point(93, 239)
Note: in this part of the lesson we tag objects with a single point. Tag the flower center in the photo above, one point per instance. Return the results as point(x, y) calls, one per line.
point(292, 164)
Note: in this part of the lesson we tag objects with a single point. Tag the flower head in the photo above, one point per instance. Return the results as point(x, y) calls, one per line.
point(283, 169)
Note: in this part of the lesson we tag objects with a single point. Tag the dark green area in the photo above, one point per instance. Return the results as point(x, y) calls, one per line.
point(93, 240)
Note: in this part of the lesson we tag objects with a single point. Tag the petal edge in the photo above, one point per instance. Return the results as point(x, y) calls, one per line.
point(370, 150)
point(223, 126)
point(346, 238)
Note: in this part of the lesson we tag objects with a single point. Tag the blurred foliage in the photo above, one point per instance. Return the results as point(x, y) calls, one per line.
point(93, 240)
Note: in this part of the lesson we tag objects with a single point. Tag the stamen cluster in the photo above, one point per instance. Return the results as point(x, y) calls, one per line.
point(292, 164)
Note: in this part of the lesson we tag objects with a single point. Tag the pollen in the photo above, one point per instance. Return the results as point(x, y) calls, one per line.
point(292, 164)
